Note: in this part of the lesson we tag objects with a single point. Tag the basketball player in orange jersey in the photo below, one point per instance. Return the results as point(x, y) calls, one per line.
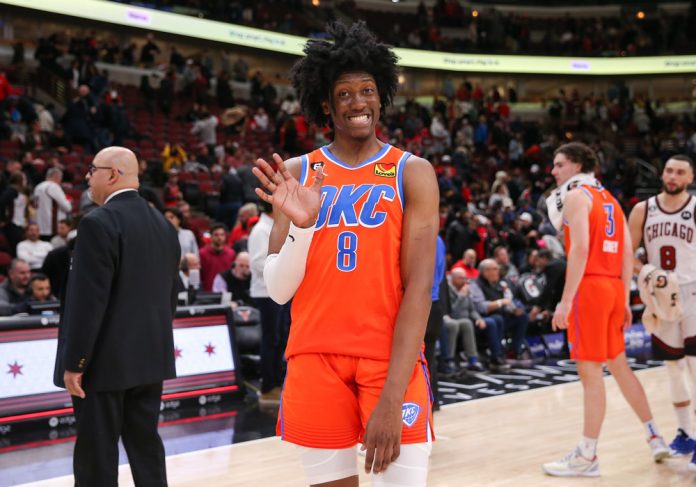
point(594, 307)
point(666, 225)
point(354, 243)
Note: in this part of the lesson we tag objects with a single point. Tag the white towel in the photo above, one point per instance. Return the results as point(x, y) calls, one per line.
point(554, 203)
point(659, 292)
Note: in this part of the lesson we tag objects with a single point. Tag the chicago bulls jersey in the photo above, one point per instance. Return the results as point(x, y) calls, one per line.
point(351, 292)
point(668, 238)
point(606, 241)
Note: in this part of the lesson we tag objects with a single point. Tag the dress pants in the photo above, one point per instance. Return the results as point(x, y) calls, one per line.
point(104, 416)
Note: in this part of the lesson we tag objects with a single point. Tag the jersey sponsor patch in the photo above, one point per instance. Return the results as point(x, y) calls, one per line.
point(610, 246)
point(316, 165)
point(409, 413)
point(686, 215)
point(385, 170)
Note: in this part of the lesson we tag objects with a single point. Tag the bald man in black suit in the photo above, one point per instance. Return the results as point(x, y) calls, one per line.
point(116, 342)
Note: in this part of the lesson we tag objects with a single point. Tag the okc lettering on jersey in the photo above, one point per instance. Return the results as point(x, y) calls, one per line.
point(339, 205)
point(669, 229)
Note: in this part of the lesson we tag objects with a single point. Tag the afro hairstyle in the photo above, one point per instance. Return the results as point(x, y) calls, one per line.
point(354, 48)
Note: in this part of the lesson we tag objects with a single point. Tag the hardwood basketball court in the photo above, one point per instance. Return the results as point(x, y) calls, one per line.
point(500, 441)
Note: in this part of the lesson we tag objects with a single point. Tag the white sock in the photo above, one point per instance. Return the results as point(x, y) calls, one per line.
point(651, 429)
point(684, 420)
point(588, 447)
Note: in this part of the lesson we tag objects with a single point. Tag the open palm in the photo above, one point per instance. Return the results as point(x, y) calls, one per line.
point(299, 203)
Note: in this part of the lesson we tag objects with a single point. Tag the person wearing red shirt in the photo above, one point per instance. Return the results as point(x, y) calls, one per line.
point(468, 263)
point(5, 87)
point(246, 218)
point(216, 257)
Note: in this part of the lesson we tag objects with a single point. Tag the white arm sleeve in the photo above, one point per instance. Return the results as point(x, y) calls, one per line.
point(283, 272)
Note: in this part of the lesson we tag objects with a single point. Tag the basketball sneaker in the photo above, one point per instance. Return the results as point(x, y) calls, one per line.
point(682, 444)
point(658, 447)
point(573, 465)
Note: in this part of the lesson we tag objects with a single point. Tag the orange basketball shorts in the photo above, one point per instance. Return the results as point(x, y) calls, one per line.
point(327, 400)
point(595, 323)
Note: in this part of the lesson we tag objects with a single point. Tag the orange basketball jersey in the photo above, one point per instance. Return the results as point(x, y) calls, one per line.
point(606, 234)
point(351, 292)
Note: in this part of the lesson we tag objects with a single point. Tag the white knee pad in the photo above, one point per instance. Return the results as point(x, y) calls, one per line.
point(409, 470)
point(677, 380)
point(325, 465)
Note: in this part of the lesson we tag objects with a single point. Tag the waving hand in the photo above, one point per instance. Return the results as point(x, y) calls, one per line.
point(300, 204)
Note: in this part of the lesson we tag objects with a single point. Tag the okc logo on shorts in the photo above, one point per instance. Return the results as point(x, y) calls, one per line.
point(385, 170)
point(409, 413)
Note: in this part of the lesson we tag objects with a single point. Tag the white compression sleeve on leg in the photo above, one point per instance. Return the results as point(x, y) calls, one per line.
point(409, 470)
point(323, 465)
point(283, 272)
point(677, 380)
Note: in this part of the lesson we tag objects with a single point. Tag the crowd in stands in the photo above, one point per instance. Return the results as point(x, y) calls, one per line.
point(450, 26)
point(504, 259)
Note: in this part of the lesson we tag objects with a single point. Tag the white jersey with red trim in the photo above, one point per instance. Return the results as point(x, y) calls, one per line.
point(668, 238)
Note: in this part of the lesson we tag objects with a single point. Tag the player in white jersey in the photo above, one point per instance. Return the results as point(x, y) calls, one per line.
point(666, 224)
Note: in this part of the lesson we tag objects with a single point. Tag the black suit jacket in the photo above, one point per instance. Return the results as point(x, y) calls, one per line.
point(121, 298)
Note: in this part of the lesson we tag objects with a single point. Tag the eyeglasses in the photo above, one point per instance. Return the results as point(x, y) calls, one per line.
point(93, 168)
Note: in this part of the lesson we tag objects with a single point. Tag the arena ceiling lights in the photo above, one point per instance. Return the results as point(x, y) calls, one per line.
point(158, 21)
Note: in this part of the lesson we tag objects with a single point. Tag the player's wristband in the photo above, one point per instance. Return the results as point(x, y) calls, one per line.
point(283, 272)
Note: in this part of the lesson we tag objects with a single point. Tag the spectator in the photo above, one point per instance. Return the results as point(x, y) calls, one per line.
point(461, 234)
point(231, 197)
point(51, 203)
point(241, 70)
point(173, 157)
point(215, 257)
point(249, 181)
point(553, 270)
point(33, 250)
point(261, 122)
point(290, 105)
point(63, 234)
point(517, 238)
point(468, 263)
point(172, 194)
point(177, 60)
point(15, 210)
point(59, 141)
point(189, 266)
point(462, 320)
point(236, 280)
point(78, 119)
point(494, 301)
point(508, 270)
point(187, 239)
point(146, 191)
point(13, 291)
point(246, 218)
point(274, 317)
point(148, 51)
point(225, 97)
point(205, 129)
point(40, 288)
point(165, 94)
point(5, 87)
